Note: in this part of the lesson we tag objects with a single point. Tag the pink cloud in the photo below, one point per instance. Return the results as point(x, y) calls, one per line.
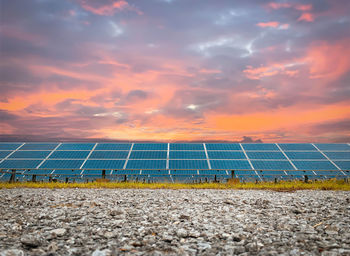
point(303, 7)
point(308, 17)
point(107, 9)
point(276, 6)
point(271, 24)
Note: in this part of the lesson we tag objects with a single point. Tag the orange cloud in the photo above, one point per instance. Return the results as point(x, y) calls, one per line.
point(270, 70)
point(308, 17)
point(271, 24)
point(276, 6)
point(108, 9)
point(303, 7)
point(329, 61)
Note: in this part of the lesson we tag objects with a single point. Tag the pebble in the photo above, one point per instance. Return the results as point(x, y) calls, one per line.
point(103, 222)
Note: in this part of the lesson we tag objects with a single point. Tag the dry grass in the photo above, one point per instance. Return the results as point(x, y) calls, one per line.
point(282, 186)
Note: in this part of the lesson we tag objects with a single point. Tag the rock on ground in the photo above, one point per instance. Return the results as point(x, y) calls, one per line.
point(173, 222)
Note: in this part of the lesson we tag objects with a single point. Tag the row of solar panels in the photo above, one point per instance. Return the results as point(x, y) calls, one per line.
point(177, 146)
point(153, 155)
point(177, 164)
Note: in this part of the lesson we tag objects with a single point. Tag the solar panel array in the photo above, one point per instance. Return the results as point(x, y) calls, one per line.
point(255, 159)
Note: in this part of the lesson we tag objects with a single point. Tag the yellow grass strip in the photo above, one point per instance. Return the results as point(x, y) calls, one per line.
point(283, 186)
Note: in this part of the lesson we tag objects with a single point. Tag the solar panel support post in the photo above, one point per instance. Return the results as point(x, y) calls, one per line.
point(50, 178)
point(232, 174)
point(103, 174)
point(306, 178)
point(34, 178)
point(67, 180)
point(13, 176)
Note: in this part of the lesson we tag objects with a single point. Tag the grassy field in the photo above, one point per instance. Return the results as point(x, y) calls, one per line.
point(280, 186)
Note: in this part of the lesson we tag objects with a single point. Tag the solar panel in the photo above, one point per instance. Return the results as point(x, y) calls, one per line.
point(150, 146)
point(19, 164)
point(226, 155)
point(314, 165)
point(71, 172)
point(4, 154)
point(39, 146)
point(188, 164)
point(271, 165)
point(113, 146)
point(223, 146)
point(183, 172)
point(127, 172)
point(109, 155)
point(186, 146)
point(230, 164)
point(265, 155)
point(104, 164)
point(338, 155)
point(30, 154)
point(300, 173)
point(62, 164)
point(213, 172)
point(305, 155)
point(69, 154)
point(244, 172)
point(9, 146)
point(146, 164)
point(148, 155)
point(271, 173)
point(76, 146)
point(155, 172)
point(260, 146)
point(187, 155)
point(330, 147)
point(36, 172)
point(344, 165)
point(330, 173)
point(294, 146)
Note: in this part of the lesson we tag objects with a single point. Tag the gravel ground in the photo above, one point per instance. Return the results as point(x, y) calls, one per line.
point(173, 222)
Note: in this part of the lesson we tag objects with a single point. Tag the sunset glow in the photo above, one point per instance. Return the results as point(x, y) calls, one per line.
point(176, 70)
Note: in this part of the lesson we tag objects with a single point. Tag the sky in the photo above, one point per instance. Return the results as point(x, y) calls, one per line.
point(176, 70)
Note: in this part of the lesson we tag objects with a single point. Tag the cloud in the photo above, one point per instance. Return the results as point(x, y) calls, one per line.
point(308, 17)
point(106, 8)
point(271, 24)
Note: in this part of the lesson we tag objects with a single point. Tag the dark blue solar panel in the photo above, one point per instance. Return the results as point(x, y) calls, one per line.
point(244, 172)
point(265, 155)
point(30, 154)
point(104, 164)
point(300, 173)
point(188, 164)
point(344, 165)
point(314, 165)
point(226, 155)
point(42, 172)
point(39, 146)
point(127, 172)
point(67, 172)
point(109, 155)
point(9, 146)
point(4, 154)
point(146, 164)
point(62, 164)
point(186, 146)
point(271, 173)
point(338, 155)
point(20, 164)
point(155, 172)
point(295, 146)
point(183, 172)
point(223, 146)
point(230, 164)
point(187, 155)
point(76, 146)
point(97, 173)
point(150, 146)
point(271, 165)
point(305, 155)
point(330, 147)
point(330, 173)
point(260, 146)
point(69, 155)
point(113, 146)
point(148, 155)
point(213, 172)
